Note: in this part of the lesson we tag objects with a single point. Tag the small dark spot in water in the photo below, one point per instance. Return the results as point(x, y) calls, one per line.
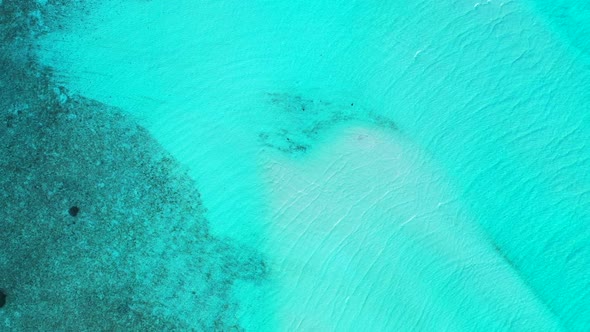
point(9, 121)
point(73, 211)
point(2, 298)
point(300, 148)
point(351, 104)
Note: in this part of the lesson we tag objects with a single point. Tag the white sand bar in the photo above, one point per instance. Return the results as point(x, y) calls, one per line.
point(367, 236)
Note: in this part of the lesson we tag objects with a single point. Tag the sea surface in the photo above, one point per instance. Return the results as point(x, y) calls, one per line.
point(397, 165)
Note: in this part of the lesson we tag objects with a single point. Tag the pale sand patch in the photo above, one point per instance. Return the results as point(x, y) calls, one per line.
point(366, 234)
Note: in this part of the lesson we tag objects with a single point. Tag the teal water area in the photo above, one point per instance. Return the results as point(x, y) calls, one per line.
point(368, 165)
point(569, 19)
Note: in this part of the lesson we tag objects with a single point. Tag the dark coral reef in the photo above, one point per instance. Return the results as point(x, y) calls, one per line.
point(101, 227)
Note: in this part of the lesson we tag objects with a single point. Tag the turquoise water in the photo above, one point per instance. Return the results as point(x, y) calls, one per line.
point(398, 166)
point(569, 19)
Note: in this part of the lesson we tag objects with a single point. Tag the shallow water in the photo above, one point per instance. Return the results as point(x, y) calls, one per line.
point(398, 166)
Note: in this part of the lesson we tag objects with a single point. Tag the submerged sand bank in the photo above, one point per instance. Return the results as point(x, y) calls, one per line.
point(366, 234)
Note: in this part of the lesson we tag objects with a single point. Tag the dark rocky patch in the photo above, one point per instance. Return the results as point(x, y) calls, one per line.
point(307, 119)
point(143, 258)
